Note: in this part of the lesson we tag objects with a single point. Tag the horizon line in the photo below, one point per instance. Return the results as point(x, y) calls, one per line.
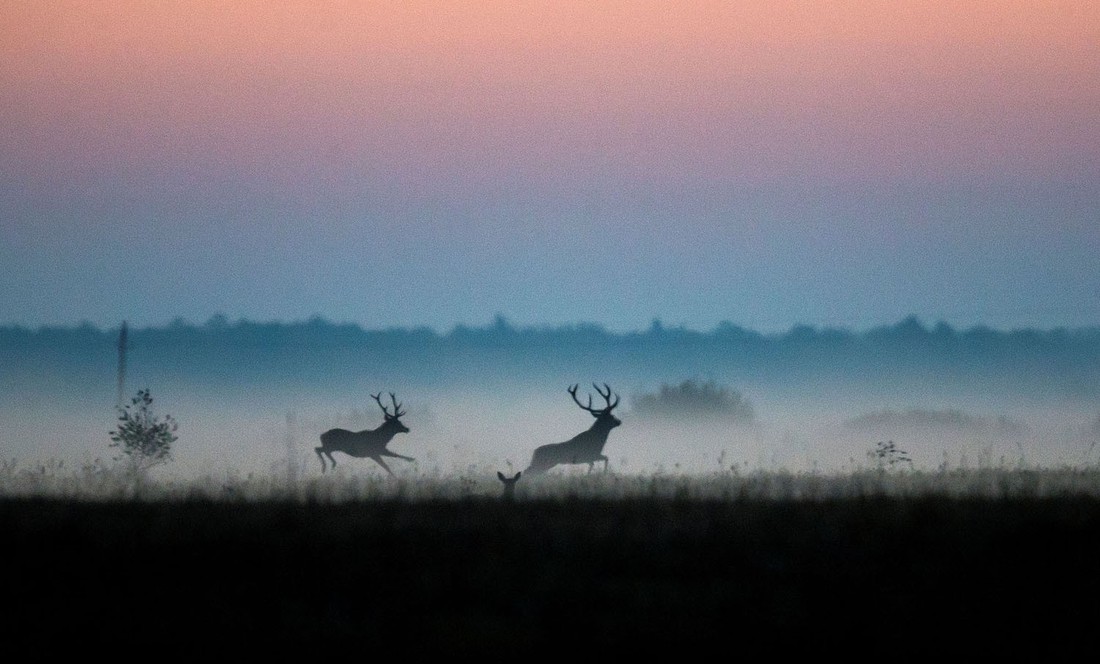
point(500, 322)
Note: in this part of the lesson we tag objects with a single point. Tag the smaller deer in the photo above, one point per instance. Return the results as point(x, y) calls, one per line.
point(509, 485)
point(369, 444)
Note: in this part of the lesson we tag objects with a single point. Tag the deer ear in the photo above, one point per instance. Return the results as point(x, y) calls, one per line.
point(500, 475)
point(517, 475)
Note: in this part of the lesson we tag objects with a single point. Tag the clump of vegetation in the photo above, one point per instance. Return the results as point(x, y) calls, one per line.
point(887, 455)
point(692, 398)
point(143, 439)
point(941, 420)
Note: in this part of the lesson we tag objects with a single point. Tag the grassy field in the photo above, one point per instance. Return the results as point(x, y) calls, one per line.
point(912, 562)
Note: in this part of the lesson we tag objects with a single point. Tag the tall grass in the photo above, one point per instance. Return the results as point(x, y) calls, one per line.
point(98, 480)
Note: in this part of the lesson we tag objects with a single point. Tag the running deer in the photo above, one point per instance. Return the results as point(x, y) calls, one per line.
point(586, 447)
point(370, 443)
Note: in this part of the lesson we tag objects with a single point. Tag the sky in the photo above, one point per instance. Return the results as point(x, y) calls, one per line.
point(766, 163)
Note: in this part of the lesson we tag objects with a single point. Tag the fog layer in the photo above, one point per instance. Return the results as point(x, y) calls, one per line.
point(255, 398)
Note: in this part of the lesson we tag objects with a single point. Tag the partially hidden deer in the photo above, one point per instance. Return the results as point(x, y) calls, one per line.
point(586, 447)
point(367, 444)
point(509, 484)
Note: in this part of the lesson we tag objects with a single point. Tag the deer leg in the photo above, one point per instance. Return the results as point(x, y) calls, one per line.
point(604, 459)
point(395, 454)
point(382, 463)
point(319, 450)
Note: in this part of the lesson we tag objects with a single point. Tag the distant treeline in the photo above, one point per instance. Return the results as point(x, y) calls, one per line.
point(1054, 362)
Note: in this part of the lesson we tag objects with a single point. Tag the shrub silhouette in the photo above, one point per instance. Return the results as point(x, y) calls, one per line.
point(692, 399)
point(143, 439)
point(888, 455)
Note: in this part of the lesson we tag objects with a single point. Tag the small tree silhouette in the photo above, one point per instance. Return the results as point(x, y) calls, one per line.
point(888, 454)
point(144, 440)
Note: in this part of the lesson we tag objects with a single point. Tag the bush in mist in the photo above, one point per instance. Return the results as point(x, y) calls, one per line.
point(143, 439)
point(692, 398)
point(944, 420)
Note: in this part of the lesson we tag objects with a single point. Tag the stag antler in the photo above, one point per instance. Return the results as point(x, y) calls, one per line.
point(378, 398)
point(573, 391)
point(606, 398)
point(396, 406)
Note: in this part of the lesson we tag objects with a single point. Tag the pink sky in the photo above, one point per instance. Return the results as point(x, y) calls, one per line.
point(557, 92)
point(546, 110)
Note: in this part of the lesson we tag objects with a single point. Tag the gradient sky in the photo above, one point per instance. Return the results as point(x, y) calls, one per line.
point(766, 163)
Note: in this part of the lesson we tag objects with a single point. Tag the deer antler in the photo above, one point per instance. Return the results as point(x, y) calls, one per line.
point(396, 406)
point(573, 391)
point(607, 397)
point(378, 398)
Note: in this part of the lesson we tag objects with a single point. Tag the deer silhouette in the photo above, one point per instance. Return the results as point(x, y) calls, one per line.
point(370, 444)
point(585, 447)
point(509, 485)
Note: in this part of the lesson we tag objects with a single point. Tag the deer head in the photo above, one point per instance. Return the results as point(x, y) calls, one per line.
point(391, 421)
point(509, 484)
point(604, 418)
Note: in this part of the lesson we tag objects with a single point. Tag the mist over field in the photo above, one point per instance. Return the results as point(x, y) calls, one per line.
point(826, 270)
point(254, 398)
point(573, 165)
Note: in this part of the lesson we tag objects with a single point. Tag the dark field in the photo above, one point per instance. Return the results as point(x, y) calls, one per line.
point(879, 576)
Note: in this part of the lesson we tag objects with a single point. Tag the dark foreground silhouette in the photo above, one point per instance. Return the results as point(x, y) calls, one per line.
point(867, 577)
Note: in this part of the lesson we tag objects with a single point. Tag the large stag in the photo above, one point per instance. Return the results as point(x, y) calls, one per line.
point(365, 444)
point(586, 447)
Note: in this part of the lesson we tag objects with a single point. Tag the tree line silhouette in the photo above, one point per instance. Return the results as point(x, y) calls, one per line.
point(220, 353)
